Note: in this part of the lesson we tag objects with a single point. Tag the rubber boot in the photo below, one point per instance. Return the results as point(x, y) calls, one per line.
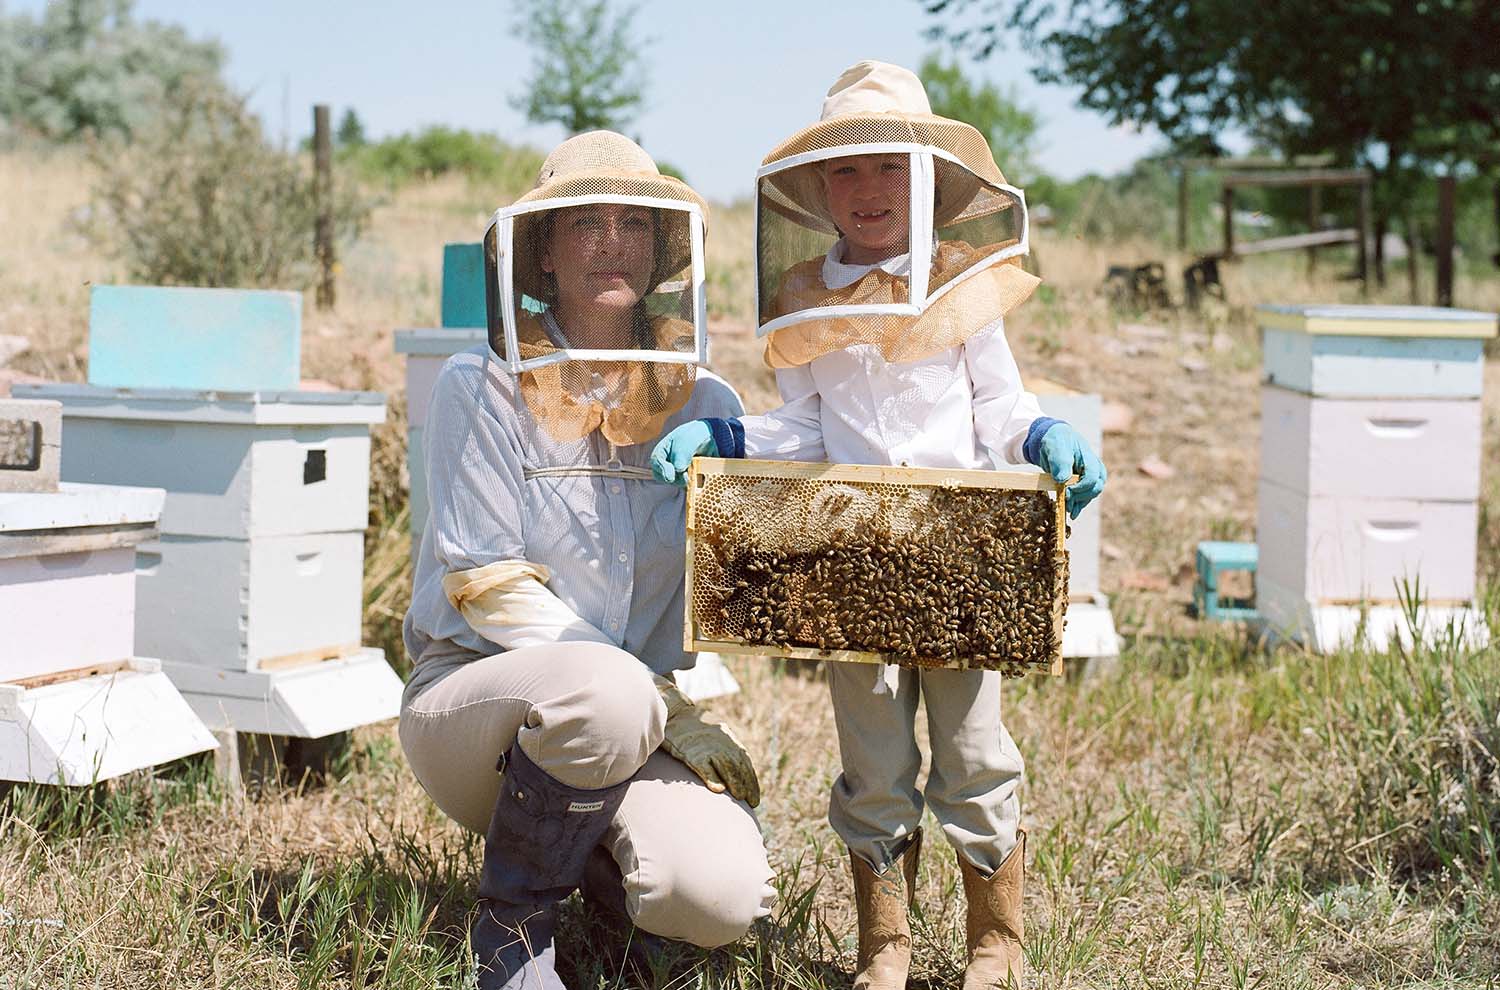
point(539, 838)
point(994, 924)
point(883, 901)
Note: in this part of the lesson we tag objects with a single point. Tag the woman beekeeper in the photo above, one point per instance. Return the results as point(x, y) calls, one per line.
point(546, 617)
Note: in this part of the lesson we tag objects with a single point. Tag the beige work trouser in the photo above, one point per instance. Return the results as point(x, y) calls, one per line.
point(971, 784)
point(589, 715)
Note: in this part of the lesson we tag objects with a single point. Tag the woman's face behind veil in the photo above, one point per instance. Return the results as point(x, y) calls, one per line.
point(602, 256)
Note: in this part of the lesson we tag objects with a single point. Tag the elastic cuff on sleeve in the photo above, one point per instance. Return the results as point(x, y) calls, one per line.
point(729, 436)
point(1031, 449)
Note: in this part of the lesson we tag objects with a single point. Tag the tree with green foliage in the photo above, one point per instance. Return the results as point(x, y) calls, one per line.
point(1396, 87)
point(1008, 125)
point(88, 67)
point(351, 130)
point(587, 71)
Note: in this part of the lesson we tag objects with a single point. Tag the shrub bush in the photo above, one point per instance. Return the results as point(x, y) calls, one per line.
point(201, 198)
point(444, 150)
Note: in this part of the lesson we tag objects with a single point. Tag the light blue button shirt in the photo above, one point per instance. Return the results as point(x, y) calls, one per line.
point(614, 545)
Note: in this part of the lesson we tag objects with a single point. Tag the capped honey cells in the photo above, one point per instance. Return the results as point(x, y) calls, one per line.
point(916, 575)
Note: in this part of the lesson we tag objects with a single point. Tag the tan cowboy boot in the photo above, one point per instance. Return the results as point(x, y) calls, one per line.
point(884, 930)
point(995, 929)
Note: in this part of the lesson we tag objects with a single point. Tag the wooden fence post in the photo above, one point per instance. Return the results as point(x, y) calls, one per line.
point(1412, 248)
point(1314, 220)
point(323, 195)
point(1183, 203)
point(1446, 189)
point(1228, 221)
point(1364, 236)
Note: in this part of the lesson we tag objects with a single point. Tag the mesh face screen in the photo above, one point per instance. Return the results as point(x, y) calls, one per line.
point(991, 227)
point(923, 576)
point(603, 272)
point(865, 202)
point(588, 279)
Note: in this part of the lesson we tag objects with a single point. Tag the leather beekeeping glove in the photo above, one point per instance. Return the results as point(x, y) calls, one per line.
point(710, 751)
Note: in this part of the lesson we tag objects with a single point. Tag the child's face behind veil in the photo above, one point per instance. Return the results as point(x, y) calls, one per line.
point(869, 198)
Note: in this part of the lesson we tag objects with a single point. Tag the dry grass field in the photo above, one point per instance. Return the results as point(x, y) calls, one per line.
point(1213, 813)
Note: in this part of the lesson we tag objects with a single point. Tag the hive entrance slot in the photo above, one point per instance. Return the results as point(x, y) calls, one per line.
point(20, 445)
point(315, 467)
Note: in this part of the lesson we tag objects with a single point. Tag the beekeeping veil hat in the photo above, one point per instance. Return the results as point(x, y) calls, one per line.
point(943, 199)
point(594, 290)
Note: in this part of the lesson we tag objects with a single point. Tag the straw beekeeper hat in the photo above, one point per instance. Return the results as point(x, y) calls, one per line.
point(599, 163)
point(879, 102)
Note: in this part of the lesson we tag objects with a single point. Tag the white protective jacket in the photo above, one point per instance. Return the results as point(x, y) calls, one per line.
point(964, 407)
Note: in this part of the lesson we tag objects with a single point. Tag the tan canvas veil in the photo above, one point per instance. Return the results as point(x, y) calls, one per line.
point(959, 215)
point(594, 288)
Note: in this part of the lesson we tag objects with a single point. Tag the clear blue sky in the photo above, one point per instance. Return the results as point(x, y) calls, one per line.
point(727, 81)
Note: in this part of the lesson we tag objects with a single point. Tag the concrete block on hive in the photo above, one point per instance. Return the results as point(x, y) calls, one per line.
point(30, 445)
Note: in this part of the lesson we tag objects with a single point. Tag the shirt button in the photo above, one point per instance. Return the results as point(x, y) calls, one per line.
point(614, 624)
point(624, 557)
point(615, 489)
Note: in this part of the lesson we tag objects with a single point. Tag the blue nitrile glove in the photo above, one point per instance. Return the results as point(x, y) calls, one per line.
point(675, 451)
point(1057, 448)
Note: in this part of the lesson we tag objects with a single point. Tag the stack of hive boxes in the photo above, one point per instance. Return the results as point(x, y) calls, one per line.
point(426, 350)
point(77, 705)
point(1369, 481)
point(252, 596)
point(1090, 629)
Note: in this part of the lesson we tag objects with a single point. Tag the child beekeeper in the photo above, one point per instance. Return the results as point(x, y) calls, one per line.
point(880, 361)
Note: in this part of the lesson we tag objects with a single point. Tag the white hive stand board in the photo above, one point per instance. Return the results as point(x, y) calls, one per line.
point(75, 706)
point(310, 701)
point(708, 678)
point(1090, 630)
point(92, 728)
point(1327, 627)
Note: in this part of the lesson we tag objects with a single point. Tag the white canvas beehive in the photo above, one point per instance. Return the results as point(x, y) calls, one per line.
point(77, 705)
point(258, 570)
point(1370, 459)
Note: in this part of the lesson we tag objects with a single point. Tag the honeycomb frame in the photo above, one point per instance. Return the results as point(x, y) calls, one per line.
point(708, 471)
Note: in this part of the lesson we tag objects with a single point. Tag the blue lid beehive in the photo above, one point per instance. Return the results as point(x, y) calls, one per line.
point(1370, 447)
